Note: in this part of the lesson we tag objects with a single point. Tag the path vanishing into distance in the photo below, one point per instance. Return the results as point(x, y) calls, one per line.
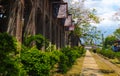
point(92, 64)
point(90, 67)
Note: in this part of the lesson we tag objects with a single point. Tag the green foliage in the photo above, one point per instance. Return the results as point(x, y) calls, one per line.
point(118, 55)
point(109, 41)
point(94, 17)
point(83, 17)
point(91, 35)
point(68, 57)
point(80, 50)
point(35, 63)
point(63, 67)
point(38, 39)
point(31, 61)
point(55, 57)
point(7, 43)
point(77, 31)
point(71, 54)
point(38, 63)
point(107, 53)
point(117, 33)
point(8, 58)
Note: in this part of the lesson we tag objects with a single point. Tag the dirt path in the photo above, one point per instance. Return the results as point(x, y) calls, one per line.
point(90, 68)
point(92, 65)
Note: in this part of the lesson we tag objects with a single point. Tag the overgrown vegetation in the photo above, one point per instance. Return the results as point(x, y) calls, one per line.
point(68, 57)
point(38, 63)
point(8, 55)
point(30, 61)
point(83, 17)
point(111, 46)
point(39, 40)
point(109, 53)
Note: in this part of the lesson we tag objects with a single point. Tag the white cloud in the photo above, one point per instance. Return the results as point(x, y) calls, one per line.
point(105, 10)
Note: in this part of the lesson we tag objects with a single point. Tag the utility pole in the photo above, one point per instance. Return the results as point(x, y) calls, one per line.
point(102, 40)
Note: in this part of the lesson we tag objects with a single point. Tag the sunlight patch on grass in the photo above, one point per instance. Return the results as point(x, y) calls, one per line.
point(115, 61)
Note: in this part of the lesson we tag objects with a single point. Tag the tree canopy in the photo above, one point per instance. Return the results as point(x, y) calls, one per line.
point(109, 41)
point(117, 33)
point(83, 18)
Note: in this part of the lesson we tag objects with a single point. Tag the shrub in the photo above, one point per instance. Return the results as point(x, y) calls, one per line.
point(34, 62)
point(7, 43)
point(68, 57)
point(63, 64)
point(8, 58)
point(38, 39)
point(80, 50)
point(31, 61)
point(118, 55)
point(55, 57)
point(38, 63)
point(108, 53)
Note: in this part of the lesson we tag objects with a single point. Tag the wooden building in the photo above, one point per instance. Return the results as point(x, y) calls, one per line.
point(30, 17)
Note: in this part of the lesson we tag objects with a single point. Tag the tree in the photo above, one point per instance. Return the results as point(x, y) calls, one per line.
point(83, 18)
point(92, 35)
point(117, 33)
point(109, 40)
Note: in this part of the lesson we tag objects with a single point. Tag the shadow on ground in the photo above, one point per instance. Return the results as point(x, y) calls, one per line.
point(106, 71)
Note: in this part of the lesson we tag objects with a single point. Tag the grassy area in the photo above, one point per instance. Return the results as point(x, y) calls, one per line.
point(104, 68)
point(115, 61)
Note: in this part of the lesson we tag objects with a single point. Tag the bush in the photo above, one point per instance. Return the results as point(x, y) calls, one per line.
point(68, 57)
point(31, 61)
point(8, 55)
point(108, 53)
point(63, 64)
point(80, 50)
point(118, 55)
point(7, 43)
point(38, 39)
point(55, 57)
point(38, 63)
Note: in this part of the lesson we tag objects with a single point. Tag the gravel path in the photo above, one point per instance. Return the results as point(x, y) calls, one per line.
point(90, 68)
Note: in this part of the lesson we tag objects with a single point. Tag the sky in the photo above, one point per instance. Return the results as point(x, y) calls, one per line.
point(106, 9)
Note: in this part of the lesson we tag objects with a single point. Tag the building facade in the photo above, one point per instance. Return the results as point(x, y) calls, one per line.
point(30, 17)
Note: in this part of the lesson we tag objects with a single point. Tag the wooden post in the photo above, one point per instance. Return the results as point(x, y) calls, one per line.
point(44, 26)
point(19, 22)
point(58, 36)
point(50, 26)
